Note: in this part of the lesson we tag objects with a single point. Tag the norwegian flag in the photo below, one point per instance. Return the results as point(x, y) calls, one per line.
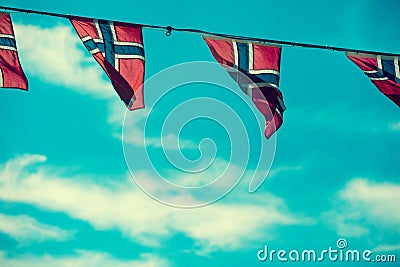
point(383, 71)
point(118, 48)
point(11, 73)
point(261, 64)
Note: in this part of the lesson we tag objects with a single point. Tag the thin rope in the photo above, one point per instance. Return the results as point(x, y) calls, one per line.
point(169, 30)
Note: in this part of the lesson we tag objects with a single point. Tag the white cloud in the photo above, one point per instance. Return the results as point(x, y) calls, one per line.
point(26, 229)
point(394, 126)
point(362, 204)
point(387, 248)
point(222, 225)
point(57, 56)
point(378, 202)
point(81, 259)
point(284, 169)
point(116, 114)
point(234, 226)
point(133, 125)
point(346, 223)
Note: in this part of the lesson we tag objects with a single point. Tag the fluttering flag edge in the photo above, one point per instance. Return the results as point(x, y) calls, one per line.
point(121, 85)
point(22, 83)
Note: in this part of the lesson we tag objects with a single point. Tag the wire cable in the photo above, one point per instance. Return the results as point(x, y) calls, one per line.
point(170, 29)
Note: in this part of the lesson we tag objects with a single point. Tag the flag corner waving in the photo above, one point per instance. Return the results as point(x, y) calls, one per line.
point(383, 71)
point(11, 73)
point(119, 50)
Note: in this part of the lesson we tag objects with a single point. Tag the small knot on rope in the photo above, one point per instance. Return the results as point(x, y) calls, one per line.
point(169, 31)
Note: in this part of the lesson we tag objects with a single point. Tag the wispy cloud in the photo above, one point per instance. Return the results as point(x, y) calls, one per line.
point(281, 170)
point(387, 248)
point(133, 125)
point(346, 223)
point(221, 226)
point(379, 202)
point(80, 259)
point(57, 56)
point(26, 229)
point(394, 126)
point(362, 204)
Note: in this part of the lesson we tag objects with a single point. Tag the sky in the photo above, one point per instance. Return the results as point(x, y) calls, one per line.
point(69, 151)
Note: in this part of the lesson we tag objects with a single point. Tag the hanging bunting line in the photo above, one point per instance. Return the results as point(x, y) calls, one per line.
point(119, 49)
point(169, 30)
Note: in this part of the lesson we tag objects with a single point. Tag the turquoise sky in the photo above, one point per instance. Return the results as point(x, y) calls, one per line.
point(66, 194)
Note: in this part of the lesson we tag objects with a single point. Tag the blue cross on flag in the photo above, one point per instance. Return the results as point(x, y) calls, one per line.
point(118, 48)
